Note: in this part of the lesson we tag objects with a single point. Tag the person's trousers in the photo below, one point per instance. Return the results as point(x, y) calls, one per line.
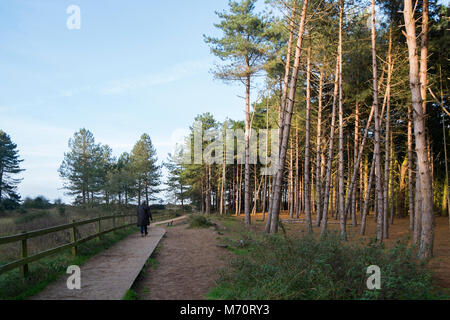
point(144, 230)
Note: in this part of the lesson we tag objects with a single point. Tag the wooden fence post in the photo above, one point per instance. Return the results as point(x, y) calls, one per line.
point(99, 227)
point(24, 255)
point(74, 239)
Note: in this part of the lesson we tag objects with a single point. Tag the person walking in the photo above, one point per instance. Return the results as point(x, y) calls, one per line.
point(144, 217)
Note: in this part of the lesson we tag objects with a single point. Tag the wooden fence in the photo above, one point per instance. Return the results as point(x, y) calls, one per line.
point(75, 242)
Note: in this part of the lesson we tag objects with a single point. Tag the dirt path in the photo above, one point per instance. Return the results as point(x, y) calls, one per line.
point(187, 266)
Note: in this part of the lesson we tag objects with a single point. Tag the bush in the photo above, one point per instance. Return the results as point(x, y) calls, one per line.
point(308, 269)
point(199, 221)
point(157, 207)
point(175, 214)
point(22, 210)
point(8, 204)
point(187, 208)
point(39, 202)
point(31, 216)
point(61, 209)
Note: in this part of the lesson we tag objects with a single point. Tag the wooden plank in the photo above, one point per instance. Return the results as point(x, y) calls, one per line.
point(109, 274)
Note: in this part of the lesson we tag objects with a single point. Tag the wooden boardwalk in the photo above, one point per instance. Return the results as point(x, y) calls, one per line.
point(111, 273)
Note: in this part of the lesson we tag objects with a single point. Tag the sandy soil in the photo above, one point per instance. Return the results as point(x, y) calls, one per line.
point(187, 266)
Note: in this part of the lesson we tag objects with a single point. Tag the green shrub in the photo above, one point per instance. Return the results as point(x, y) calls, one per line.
point(199, 221)
point(308, 269)
point(8, 204)
point(31, 216)
point(130, 295)
point(157, 207)
point(175, 214)
point(39, 202)
point(61, 209)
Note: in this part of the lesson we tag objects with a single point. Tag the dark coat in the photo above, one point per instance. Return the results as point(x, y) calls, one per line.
point(144, 215)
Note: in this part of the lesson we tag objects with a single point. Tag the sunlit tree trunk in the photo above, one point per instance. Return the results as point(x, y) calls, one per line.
point(297, 175)
point(329, 166)
point(356, 161)
point(378, 180)
point(247, 218)
point(387, 141)
point(342, 215)
point(391, 164)
point(427, 232)
point(319, 153)
point(365, 210)
point(410, 171)
point(287, 125)
point(306, 182)
point(208, 190)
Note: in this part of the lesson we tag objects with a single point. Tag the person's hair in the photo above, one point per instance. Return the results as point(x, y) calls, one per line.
point(144, 202)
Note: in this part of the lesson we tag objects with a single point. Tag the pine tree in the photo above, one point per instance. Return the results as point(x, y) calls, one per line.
point(78, 167)
point(243, 44)
point(175, 182)
point(9, 166)
point(147, 172)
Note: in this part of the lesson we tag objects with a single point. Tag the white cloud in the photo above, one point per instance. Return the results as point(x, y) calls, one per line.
point(6, 108)
point(176, 72)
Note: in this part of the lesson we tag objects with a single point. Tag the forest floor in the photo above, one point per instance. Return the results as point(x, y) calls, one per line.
point(439, 264)
point(188, 261)
point(185, 266)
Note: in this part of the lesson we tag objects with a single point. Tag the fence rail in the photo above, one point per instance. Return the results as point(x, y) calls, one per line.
point(75, 242)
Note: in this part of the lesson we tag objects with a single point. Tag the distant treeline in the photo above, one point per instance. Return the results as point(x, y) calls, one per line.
point(94, 176)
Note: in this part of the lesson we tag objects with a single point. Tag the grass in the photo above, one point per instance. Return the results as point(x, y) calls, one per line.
point(27, 217)
point(199, 221)
point(285, 267)
point(131, 295)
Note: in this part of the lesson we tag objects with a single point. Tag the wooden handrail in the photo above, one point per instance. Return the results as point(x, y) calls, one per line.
point(41, 232)
point(73, 244)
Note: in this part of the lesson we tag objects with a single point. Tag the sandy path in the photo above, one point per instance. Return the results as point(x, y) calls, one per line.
point(188, 265)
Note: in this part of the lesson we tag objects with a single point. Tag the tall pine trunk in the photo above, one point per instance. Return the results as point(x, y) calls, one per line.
point(378, 181)
point(427, 232)
point(309, 228)
point(326, 196)
point(342, 215)
point(247, 218)
point(275, 210)
point(319, 153)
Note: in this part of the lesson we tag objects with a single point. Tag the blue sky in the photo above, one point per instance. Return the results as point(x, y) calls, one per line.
point(133, 67)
